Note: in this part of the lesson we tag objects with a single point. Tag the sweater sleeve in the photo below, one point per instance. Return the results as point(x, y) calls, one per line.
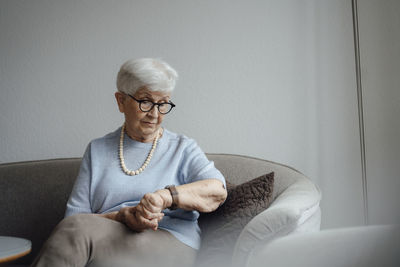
point(196, 166)
point(79, 200)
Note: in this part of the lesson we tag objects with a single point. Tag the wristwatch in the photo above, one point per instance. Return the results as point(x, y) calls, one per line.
point(174, 194)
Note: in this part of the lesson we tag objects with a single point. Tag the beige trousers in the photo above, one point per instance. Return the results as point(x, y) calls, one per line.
point(90, 240)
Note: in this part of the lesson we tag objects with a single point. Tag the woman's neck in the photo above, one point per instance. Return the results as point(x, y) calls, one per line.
point(145, 139)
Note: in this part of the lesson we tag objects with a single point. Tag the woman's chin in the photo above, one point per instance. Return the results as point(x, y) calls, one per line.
point(149, 130)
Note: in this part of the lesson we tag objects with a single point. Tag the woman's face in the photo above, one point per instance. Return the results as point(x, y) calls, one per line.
point(142, 126)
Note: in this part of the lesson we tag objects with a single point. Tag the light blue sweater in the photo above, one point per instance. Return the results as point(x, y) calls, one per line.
point(103, 187)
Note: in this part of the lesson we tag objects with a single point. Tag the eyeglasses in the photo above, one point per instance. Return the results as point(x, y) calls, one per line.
point(147, 105)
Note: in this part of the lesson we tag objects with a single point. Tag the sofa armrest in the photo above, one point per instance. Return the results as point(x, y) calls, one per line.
point(290, 210)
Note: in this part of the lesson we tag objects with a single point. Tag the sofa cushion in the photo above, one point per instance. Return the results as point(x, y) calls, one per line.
point(221, 228)
point(289, 213)
point(361, 246)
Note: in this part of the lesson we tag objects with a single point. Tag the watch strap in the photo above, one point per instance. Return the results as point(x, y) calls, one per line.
point(174, 195)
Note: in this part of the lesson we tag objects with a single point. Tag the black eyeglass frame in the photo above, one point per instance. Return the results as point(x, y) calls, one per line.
point(153, 104)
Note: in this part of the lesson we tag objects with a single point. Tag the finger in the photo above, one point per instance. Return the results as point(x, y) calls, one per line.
point(147, 214)
point(146, 207)
point(148, 204)
point(161, 217)
point(156, 200)
point(146, 222)
point(140, 208)
point(143, 211)
point(138, 223)
point(156, 226)
point(132, 222)
point(153, 201)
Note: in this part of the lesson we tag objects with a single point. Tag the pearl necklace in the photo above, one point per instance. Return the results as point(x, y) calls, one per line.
point(121, 154)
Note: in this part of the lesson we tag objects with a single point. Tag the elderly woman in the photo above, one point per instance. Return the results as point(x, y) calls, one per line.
point(140, 188)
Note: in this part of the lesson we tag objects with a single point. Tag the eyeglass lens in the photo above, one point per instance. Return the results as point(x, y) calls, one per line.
point(163, 108)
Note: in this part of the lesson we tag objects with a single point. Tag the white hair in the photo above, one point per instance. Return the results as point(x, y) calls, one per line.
point(154, 74)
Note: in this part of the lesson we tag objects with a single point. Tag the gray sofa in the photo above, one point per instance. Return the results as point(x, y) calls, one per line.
point(34, 194)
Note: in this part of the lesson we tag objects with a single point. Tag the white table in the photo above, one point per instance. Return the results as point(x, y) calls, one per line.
point(12, 248)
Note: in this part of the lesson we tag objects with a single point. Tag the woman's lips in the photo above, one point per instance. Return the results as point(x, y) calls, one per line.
point(148, 123)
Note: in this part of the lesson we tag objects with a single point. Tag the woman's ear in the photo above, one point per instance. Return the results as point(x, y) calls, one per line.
point(120, 97)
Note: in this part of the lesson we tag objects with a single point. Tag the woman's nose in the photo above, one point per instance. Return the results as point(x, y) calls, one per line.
point(153, 112)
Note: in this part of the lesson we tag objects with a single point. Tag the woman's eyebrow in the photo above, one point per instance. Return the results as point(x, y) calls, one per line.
point(149, 96)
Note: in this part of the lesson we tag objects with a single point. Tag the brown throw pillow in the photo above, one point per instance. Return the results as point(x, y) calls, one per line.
point(221, 228)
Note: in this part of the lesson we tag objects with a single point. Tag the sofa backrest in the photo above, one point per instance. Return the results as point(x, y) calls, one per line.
point(33, 198)
point(34, 194)
point(238, 169)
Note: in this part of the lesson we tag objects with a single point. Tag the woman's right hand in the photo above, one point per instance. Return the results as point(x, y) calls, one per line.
point(137, 219)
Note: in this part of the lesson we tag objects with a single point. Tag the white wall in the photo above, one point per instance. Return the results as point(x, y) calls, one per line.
point(380, 60)
point(270, 79)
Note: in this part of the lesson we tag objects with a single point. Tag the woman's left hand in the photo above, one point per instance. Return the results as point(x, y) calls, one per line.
point(150, 205)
